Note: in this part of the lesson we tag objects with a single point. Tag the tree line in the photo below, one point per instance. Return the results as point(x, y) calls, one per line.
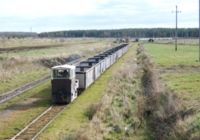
point(136, 33)
point(118, 33)
point(17, 34)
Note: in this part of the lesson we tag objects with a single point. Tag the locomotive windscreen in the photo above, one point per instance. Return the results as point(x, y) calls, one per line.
point(61, 73)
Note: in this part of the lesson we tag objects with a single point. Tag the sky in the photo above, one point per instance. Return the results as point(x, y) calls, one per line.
point(55, 15)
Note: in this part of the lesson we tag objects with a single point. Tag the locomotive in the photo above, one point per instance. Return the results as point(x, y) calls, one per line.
point(68, 81)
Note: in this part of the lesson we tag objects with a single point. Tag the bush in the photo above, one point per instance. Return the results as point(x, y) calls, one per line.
point(91, 110)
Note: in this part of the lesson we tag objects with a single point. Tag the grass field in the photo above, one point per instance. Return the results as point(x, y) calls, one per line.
point(164, 55)
point(181, 41)
point(16, 77)
point(180, 71)
point(16, 42)
point(70, 45)
point(28, 42)
point(20, 67)
point(123, 116)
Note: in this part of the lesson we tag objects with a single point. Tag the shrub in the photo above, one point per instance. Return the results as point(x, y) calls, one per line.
point(91, 110)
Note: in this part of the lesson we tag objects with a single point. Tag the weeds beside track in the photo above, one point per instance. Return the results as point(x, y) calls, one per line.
point(33, 130)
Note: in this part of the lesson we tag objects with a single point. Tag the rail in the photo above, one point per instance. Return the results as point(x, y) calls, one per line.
point(37, 126)
point(13, 93)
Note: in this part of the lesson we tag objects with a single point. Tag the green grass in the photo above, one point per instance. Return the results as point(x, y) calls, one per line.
point(20, 114)
point(73, 117)
point(184, 80)
point(22, 78)
point(165, 55)
point(195, 126)
point(187, 85)
point(181, 41)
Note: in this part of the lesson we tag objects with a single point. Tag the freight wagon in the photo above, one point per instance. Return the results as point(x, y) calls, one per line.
point(68, 80)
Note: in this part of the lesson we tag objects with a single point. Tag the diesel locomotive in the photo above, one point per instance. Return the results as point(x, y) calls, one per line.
point(69, 80)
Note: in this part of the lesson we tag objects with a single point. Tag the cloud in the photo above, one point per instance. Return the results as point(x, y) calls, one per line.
point(44, 8)
point(44, 15)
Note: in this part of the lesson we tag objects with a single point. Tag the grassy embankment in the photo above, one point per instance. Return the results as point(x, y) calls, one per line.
point(157, 111)
point(117, 115)
point(136, 105)
point(19, 67)
point(78, 114)
point(180, 71)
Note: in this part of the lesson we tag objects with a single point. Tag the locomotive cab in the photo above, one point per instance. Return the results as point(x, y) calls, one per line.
point(64, 84)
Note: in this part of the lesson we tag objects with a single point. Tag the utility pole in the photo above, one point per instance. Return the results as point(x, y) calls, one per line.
point(199, 30)
point(176, 32)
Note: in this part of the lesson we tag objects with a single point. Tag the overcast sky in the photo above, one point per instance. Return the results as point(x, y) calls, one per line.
point(52, 15)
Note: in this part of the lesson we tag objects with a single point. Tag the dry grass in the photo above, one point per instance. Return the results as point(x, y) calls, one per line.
point(92, 109)
point(165, 115)
point(18, 71)
point(161, 107)
point(115, 119)
point(20, 67)
point(27, 42)
point(181, 75)
point(10, 66)
point(17, 42)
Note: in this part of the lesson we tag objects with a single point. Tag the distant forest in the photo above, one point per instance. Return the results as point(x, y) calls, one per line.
point(119, 33)
point(136, 33)
point(18, 34)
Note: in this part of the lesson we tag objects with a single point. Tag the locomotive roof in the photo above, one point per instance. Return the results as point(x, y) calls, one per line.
point(66, 66)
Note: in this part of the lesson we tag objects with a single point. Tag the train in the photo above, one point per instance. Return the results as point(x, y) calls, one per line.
point(68, 81)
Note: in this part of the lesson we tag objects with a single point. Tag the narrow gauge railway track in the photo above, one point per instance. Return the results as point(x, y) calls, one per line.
point(36, 127)
point(11, 94)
